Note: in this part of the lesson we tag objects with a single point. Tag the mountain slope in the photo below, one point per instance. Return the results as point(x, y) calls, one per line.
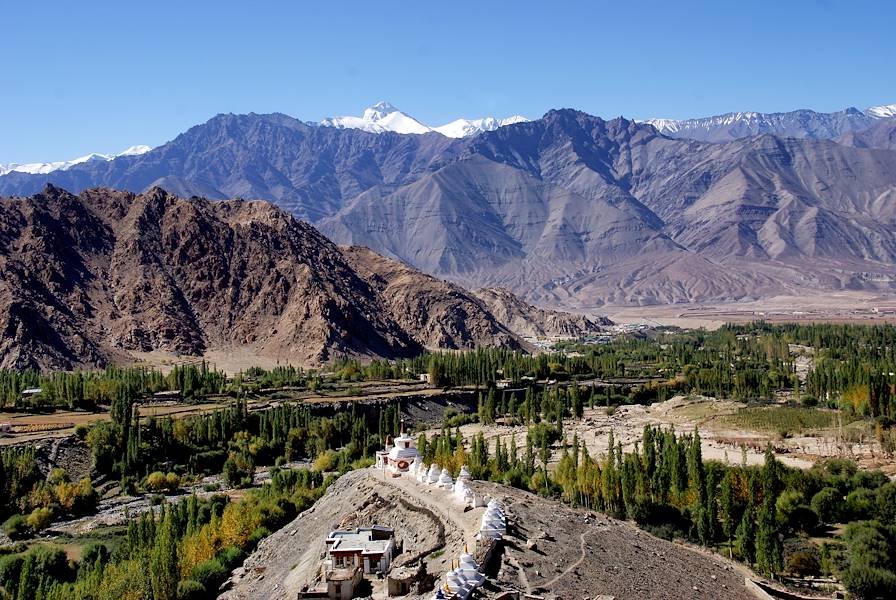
point(438, 314)
point(85, 279)
point(310, 171)
point(881, 135)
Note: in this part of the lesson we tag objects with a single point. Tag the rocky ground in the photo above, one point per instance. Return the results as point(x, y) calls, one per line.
point(576, 553)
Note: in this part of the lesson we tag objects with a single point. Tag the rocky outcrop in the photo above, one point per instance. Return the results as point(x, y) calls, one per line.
point(531, 321)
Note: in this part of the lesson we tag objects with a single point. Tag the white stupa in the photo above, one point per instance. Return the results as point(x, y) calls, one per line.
point(398, 455)
point(422, 472)
point(445, 481)
point(470, 569)
point(464, 473)
point(494, 523)
point(433, 476)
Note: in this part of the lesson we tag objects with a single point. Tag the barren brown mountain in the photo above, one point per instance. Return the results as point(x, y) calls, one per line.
point(85, 279)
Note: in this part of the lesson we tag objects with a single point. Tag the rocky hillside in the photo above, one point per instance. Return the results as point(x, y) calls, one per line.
point(530, 321)
point(881, 135)
point(438, 314)
point(86, 279)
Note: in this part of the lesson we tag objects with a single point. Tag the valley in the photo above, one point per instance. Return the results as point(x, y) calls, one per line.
point(265, 462)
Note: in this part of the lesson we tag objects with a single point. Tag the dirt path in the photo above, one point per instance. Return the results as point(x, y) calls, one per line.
point(521, 572)
point(571, 567)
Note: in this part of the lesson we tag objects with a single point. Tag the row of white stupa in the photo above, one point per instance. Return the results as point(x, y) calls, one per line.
point(494, 523)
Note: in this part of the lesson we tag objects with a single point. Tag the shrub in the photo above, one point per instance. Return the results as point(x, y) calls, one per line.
point(172, 482)
point(809, 400)
point(865, 581)
point(16, 527)
point(886, 503)
point(81, 430)
point(40, 519)
point(93, 552)
point(10, 568)
point(860, 505)
point(326, 461)
point(190, 589)
point(231, 556)
point(209, 573)
point(155, 482)
point(802, 563)
point(258, 535)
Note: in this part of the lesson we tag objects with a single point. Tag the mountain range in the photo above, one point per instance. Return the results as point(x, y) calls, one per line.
point(798, 123)
point(568, 210)
point(62, 165)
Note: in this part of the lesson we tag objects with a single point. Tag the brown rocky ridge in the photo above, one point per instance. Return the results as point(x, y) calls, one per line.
point(86, 279)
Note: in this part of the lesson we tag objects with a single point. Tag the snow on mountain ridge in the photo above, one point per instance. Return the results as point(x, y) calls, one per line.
point(62, 165)
point(882, 112)
point(382, 117)
point(785, 123)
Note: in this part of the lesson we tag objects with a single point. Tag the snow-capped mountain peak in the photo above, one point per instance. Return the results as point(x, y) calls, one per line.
point(379, 118)
point(135, 150)
point(62, 165)
point(378, 111)
point(383, 116)
point(882, 112)
point(466, 127)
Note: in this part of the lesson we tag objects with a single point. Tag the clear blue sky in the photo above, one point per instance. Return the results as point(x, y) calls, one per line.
point(101, 76)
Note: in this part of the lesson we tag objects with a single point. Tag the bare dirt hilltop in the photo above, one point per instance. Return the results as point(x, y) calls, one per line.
point(576, 553)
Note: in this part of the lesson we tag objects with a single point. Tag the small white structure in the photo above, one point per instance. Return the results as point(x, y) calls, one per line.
point(398, 456)
point(445, 481)
point(432, 477)
point(470, 569)
point(422, 472)
point(494, 523)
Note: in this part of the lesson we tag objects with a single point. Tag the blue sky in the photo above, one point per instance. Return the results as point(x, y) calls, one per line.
point(101, 76)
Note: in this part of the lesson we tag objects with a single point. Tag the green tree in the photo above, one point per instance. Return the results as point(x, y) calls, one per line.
point(163, 560)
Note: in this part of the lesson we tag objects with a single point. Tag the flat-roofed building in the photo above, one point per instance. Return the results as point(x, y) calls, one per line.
point(370, 548)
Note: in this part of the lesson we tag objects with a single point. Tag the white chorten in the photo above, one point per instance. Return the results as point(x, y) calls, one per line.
point(433, 475)
point(470, 569)
point(445, 481)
